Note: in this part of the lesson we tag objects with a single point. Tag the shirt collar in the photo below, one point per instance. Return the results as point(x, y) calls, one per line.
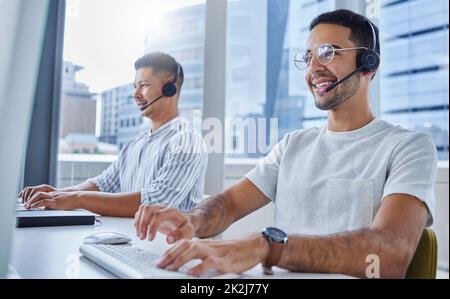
point(165, 126)
point(368, 129)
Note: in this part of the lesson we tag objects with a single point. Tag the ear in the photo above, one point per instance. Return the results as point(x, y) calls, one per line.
point(369, 75)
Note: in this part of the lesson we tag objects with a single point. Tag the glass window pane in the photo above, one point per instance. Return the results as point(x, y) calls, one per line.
point(103, 39)
point(414, 73)
point(262, 80)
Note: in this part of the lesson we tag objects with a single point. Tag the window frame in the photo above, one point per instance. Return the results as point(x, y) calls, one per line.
point(41, 162)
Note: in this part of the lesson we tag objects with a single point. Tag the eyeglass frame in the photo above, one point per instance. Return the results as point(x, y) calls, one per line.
point(308, 64)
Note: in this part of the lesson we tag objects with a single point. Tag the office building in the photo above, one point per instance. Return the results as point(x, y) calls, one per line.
point(121, 120)
point(78, 105)
point(182, 35)
point(117, 110)
point(109, 115)
point(288, 97)
point(130, 122)
point(414, 72)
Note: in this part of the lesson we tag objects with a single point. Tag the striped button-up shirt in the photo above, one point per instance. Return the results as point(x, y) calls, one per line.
point(167, 166)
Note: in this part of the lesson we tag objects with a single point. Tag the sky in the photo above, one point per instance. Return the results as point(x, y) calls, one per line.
point(107, 36)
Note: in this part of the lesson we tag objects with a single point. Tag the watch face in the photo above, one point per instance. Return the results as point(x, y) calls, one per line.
point(277, 235)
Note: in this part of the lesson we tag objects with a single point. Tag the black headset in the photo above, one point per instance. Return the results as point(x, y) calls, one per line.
point(170, 88)
point(369, 60)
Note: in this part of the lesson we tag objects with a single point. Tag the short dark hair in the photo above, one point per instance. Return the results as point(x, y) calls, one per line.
point(161, 62)
point(361, 33)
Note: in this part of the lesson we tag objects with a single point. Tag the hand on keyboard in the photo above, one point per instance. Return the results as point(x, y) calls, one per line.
point(127, 261)
point(167, 220)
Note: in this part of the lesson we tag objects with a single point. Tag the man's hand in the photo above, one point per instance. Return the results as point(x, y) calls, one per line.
point(56, 200)
point(232, 256)
point(167, 220)
point(27, 193)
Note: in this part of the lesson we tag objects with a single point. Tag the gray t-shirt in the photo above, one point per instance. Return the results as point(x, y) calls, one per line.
point(325, 182)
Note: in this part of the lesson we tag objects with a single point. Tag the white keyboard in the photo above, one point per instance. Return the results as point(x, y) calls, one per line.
point(127, 261)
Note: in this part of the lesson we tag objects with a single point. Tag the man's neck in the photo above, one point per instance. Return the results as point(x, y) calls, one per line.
point(352, 115)
point(158, 123)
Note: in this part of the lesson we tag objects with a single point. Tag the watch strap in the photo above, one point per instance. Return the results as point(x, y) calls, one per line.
point(274, 256)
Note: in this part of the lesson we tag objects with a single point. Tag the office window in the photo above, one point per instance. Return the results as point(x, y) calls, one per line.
point(414, 73)
point(262, 81)
point(103, 38)
point(263, 37)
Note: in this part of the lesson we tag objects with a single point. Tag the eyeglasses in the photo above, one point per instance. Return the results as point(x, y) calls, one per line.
point(324, 53)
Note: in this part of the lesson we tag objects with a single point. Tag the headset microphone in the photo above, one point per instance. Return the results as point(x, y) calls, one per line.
point(151, 103)
point(334, 85)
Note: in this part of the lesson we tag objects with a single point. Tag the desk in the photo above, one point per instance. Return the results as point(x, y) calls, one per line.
point(52, 252)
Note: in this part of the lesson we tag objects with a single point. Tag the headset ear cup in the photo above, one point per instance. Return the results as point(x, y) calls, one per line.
point(368, 60)
point(169, 89)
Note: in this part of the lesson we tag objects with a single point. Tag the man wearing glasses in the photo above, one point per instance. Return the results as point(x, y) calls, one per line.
point(352, 190)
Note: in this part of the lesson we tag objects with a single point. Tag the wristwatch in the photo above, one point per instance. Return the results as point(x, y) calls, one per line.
point(277, 241)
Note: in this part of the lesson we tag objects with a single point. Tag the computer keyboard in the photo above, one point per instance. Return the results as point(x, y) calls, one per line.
point(126, 261)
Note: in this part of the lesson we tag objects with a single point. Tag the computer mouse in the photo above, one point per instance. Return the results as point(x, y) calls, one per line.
point(108, 238)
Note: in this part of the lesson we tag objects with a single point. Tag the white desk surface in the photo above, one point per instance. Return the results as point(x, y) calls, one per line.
point(52, 252)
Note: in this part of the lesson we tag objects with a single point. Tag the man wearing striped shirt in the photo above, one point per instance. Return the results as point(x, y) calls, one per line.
point(165, 166)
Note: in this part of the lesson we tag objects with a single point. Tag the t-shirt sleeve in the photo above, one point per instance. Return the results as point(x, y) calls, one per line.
point(265, 175)
point(413, 170)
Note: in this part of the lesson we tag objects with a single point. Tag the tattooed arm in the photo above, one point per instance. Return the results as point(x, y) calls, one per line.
point(211, 217)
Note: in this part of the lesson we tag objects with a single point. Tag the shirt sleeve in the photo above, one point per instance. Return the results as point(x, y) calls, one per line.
point(183, 167)
point(109, 179)
point(265, 175)
point(413, 170)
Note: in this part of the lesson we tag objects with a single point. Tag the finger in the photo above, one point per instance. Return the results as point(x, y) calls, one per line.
point(42, 203)
point(147, 214)
point(26, 194)
point(137, 219)
point(171, 254)
point(37, 197)
point(24, 191)
point(33, 191)
point(195, 251)
point(166, 220)
point(159, 216)
point(207, 264)
point(22, 195)
point(28, 200)
point(185, 231)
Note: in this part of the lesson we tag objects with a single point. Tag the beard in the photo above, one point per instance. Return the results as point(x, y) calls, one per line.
point(348, 89)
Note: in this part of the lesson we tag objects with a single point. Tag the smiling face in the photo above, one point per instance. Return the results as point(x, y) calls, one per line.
point(319, 76)
point(148, 87)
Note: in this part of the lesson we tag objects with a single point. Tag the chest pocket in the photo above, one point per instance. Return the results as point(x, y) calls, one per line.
point(349, 204)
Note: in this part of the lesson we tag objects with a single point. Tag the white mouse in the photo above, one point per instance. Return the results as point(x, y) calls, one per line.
point(109, 238)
